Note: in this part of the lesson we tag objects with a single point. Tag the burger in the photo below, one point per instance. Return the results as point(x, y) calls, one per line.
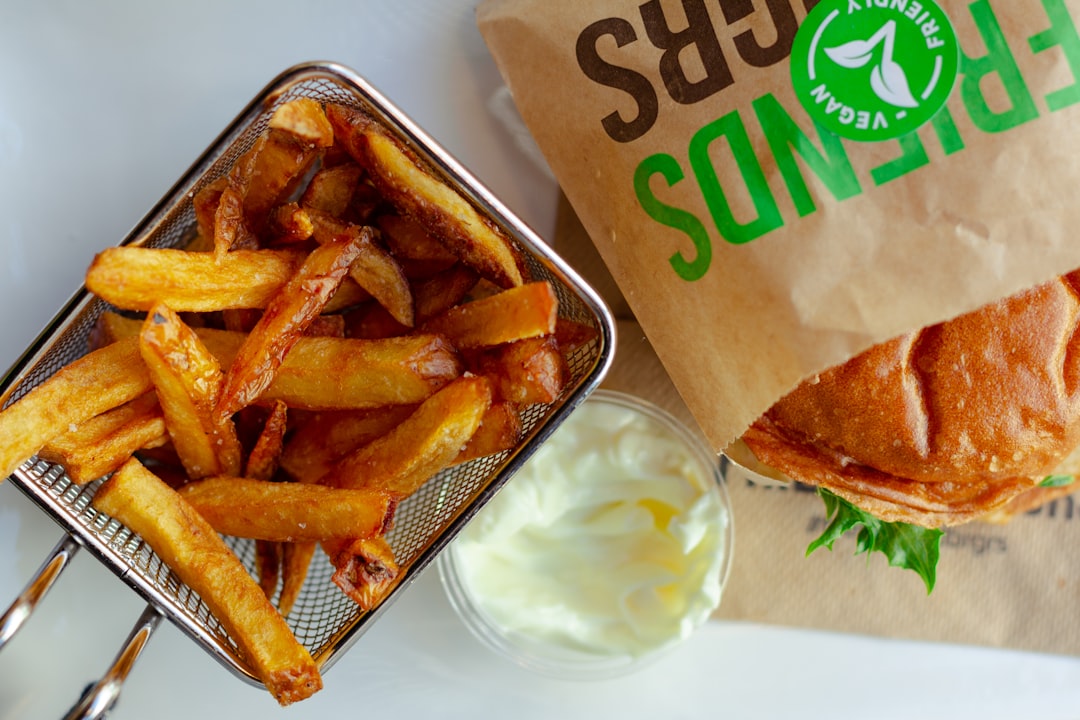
point(977, 417)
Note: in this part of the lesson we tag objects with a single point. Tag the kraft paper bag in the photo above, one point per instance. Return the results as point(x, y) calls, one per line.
point(755, 250)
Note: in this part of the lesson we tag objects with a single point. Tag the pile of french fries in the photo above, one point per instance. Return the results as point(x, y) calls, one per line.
point(343, 327)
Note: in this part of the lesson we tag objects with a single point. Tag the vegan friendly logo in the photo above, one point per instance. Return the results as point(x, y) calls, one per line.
point(874, 69)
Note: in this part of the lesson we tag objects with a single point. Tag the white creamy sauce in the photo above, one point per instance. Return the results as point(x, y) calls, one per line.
point(610, 540)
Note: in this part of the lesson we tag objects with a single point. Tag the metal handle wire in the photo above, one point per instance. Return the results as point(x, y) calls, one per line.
point(42, 580)
point(99, 699)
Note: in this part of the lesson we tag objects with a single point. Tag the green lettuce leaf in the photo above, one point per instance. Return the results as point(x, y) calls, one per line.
point(905, 545)
point(1051, 481)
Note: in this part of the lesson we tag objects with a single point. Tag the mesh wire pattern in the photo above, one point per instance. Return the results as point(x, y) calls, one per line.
point(324, 620)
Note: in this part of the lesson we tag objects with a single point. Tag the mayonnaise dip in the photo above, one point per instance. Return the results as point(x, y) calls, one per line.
point(612, 539)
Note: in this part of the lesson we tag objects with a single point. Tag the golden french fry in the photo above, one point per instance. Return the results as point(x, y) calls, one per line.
point(328, 373)
point(268, 559)
point(283, 322)
point(375, 269)
point(290, 224)
point(372, 322)
point(298, 132)
point(188, 380)
point(262, 464)
point(526, 371)
point(104, 442)
point(438, 293)
point(331, 189)
point(134, 278)
point(515, 314)
point(230, 227)
point(265, 455)
point(415, 191)
point(500, 429)
point(295, 560)
point(205, 203)
point(240, 319)
point(287, 511)
point(325, 438)
point(326, 326)
point(349, 294)
point(95, 383)
point(407, 238)
point(432, 296)
point(420, 446)
point(365, 568)
point(202, 560)
point(304, 119)
point(572, 335)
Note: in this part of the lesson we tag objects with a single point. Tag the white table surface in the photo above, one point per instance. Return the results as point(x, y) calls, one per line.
point(102, 106)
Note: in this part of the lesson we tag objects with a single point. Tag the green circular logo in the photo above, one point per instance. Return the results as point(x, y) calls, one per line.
point(874, 69)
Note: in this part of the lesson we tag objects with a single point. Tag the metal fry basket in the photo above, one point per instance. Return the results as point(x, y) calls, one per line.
point(324, 620)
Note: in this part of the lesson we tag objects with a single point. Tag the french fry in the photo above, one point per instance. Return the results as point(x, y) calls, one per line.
point(268, 559)
point(331, 189)
point(375, 269)
point(438, 293)
point(412, 188)
point(366, 200)
point(288, 512)
point(205, 204)
point(188, 380)
point(572, 335)
point(349, 294)
point(423, 444)
point(262, 464)
point(526, 371)
point(202, 560)
point(103, 443)
point(231, 231)
point(522, 312)
point(408, 239)
point(500, 429)
point(265, 457)
point(283, 321)
point(431, 297)
point(372, 322)
point(326, 373)
point(134, 278)
point(95, 383)
point(290, 223)
point(295, 560)
point(317, 444)
point(326, 326)
point(240, 320)
point(304, 119)
point(298, 131)
point(365, 568)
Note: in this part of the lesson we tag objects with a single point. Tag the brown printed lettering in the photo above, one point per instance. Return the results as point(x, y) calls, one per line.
point(631, 82)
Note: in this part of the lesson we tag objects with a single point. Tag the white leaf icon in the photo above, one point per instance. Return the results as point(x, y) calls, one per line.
point(852, 54)
point(890, 84)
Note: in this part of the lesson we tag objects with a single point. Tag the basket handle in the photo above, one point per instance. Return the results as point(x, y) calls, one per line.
point(98, 699)
point(35, 589)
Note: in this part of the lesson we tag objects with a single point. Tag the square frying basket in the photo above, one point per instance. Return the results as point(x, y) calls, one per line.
point(324, 619)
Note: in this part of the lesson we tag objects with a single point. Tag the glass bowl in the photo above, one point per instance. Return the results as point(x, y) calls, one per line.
point(609, 547)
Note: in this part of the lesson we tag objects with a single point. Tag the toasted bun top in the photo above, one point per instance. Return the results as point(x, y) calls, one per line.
point(944, 424)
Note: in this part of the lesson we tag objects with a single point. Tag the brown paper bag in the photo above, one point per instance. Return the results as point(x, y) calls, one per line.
point(752, 249)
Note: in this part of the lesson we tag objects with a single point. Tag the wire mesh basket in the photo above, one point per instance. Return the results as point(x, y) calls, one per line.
point(323, 618)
